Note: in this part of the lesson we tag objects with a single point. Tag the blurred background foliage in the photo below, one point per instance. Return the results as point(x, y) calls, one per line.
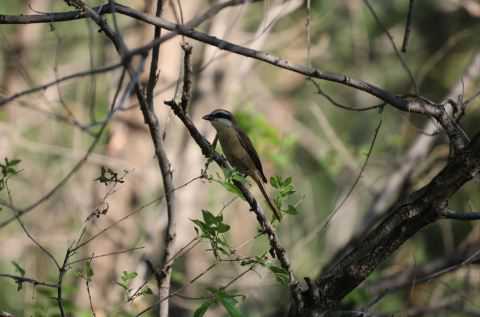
point(296, 131)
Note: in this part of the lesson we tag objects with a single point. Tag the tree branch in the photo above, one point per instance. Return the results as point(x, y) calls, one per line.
point(450, 214)
point(209, 152)
point(420, 209)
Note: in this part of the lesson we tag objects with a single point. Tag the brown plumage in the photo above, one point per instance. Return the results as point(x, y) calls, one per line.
point(239, 150)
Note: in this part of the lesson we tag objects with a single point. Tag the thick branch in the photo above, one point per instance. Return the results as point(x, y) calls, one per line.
point(186, 30)
point(403, 221)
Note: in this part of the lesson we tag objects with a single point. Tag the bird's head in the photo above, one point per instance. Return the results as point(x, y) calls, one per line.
point(220, 118)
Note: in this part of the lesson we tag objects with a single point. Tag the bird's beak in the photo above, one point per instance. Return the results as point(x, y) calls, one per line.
point(207, 117)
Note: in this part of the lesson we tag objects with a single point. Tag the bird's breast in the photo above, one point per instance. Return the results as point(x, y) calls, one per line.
point(235, 152)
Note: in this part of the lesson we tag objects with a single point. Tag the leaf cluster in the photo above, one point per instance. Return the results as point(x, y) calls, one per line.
point(213, 229)
point(109, 176)
point(220, 296)
point(7, 169)
point(284, 190)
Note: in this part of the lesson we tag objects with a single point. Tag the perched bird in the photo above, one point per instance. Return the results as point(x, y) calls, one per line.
point(239, 150)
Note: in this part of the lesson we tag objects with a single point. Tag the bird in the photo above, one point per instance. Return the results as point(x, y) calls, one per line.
point(239, 150)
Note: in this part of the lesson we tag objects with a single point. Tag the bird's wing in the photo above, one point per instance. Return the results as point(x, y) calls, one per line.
point(247, 144)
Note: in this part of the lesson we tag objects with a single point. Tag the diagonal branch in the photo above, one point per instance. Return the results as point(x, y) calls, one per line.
point(209, 152)
point(405, 219)
point(414, 104)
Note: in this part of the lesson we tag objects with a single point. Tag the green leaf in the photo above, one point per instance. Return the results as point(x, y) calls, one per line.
point(291, 210)
point(88, 271)
point(274, 181)
point(14, 162)
point(123, 285)
point(18, 268)
point(222, 228)
point(232, 189)
point(147, 291)
point(201, 225)
point(288, 181)
point(202, 309)
point(281, 275)
point(228, 302)
point(208, 217)
point(128, 276)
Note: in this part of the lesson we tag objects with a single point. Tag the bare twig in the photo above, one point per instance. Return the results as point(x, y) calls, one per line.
point(23, 279)
point(21, 212)
point(308, 29)
point(417, 106)
point(104, 255)
point(153, 77)
point(339, 105)
point(61, 273)
point(314, 233)
point(397, 52)
point(425, 272)
point(92, 309)
point(41, 247)
point(187, 76)
point(100, 70)
point(408, 24)
point(450, 214)
point(79, 245)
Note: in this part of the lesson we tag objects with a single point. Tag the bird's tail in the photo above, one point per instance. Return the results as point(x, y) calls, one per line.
point(277, 214)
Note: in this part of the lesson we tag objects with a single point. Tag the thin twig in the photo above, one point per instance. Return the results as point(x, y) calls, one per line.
point(23, 279)
point(308, 29)
point(44, 250)
point(415, 105)
point(339, 105)
point(324, 224)
point(79, 245)
point(408, 24)
point(99, 70)
point(397, 52)
point(451, 214)
point(104, 255)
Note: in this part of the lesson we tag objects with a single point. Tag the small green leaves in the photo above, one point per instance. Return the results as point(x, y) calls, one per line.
point(223, 298)
point(19, 268)
point(7, 169)
point(126, 278)
point(228, 301)
point(108, 176)
point(212, 228)
point(232, 176)
point(285, 189)
point(291, 210)
point(86, 273)
point(202, 309)
point(281, 275)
